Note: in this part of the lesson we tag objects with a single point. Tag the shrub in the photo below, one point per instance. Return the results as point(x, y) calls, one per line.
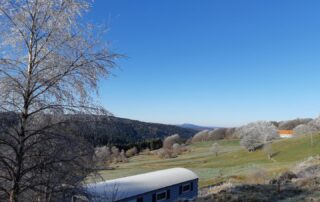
point(132, 152)
point(258, 176)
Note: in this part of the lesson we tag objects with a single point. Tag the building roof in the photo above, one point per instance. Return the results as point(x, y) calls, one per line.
point(285, 132)
point(127, 187)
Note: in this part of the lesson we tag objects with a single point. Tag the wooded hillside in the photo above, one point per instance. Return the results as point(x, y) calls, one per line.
point(103, 130)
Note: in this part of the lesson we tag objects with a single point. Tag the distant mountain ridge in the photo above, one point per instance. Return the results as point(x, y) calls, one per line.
point(196, 127)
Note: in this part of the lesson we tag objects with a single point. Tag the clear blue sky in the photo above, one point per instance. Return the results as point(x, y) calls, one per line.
point(209, 62)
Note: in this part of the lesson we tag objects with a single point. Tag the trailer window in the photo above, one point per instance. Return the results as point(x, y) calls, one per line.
point(140, 199)
point(186, 188)
point(161, 196)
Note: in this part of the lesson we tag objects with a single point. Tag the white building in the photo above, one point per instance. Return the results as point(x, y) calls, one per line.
point(286, 133)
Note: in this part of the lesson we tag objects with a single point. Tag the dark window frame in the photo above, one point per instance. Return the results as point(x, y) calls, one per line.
point(162, 199)
point(186, 190)
point(140, 199)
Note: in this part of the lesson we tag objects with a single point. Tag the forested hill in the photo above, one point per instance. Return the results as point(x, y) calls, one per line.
point(121, 131)
point(102, 130)
point(196, 127)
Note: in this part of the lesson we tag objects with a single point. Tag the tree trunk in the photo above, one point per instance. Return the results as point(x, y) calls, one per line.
point(278, 187)
point(17, 175)
point(20, 153)
point(22, 133)
point(13, 196)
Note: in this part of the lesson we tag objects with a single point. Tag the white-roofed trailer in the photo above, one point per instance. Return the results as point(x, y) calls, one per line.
point(176, 184)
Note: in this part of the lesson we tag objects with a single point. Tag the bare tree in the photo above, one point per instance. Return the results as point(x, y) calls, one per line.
point(169, 141)
point(267, 148)
point(310, 128)
point(215, 148)
point(103, 155)
point(200, 136)
point(123, 157)
point(315, 123)
point(304, 129)
point(217, 134)
point(115, 154)
point(230, 133)
point(176, 149)
point(171, 148)
point(50, 64)
point(291, 124)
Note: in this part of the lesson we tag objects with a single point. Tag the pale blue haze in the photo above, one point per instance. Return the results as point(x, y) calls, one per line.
point(209, 62)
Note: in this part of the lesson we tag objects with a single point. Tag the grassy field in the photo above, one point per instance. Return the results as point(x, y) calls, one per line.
point(233, 163)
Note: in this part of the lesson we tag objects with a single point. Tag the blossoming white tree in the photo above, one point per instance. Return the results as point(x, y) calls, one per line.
point(254, 135)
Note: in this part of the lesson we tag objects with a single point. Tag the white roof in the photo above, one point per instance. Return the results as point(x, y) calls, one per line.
point(126, 187)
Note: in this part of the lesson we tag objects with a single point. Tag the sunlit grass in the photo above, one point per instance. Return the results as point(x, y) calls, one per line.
point(233, 163)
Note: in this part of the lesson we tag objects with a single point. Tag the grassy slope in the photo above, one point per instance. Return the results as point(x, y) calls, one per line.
point(233, 163)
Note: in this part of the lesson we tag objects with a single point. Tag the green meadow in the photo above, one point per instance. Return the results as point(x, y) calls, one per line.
point(233, 163)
